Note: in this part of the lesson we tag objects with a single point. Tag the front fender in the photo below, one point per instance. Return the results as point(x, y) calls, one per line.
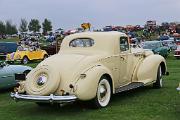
point(147, 71)
point(86, 88)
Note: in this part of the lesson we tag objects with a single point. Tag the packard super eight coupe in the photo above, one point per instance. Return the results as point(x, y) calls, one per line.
point(91, 66)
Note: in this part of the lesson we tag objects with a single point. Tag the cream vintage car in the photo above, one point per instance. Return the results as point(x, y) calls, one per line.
point(91, 66)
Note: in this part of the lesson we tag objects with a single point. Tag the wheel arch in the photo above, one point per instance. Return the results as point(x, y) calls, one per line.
point(110, 81)
point(147, 71)
point(87, 87)
point(26, 57)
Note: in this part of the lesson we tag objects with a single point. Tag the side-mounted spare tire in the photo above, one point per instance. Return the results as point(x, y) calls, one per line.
point(43, 80)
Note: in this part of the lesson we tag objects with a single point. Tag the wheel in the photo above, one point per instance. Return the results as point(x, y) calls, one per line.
point(159, 80)
point(103, 94)
point(25, 60)
point(45, 56)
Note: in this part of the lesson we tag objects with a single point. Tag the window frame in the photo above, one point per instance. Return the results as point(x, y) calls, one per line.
point(84, 41)
point(126, 47)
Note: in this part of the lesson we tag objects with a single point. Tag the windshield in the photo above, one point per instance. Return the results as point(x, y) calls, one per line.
point(152, 45)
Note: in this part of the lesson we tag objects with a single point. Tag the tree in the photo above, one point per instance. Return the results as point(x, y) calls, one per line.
point(165, 26)
point(2, 28)
point(23, 26)
point(34, 25)
point(47, 26)
point(10, 28)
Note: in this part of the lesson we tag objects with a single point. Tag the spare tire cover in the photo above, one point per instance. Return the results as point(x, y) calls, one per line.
point(43, 80)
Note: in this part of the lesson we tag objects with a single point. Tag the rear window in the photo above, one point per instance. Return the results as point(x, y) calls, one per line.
point(81, 42)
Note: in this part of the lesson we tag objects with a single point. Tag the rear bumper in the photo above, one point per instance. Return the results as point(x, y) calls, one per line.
point(49, 99)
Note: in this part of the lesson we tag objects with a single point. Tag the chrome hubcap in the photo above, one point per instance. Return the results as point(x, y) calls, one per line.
point(103, 91)
point(41, 80)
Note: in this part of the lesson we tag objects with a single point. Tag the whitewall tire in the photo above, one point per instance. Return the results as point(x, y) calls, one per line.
point(103, 94)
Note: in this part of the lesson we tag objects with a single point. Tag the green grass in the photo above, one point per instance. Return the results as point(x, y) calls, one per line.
point(140, 104)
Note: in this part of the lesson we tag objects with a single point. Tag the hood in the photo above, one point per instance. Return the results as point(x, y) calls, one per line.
point(16, 68)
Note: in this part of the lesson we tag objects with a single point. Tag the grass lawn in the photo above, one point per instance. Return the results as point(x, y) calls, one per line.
point(140, 104)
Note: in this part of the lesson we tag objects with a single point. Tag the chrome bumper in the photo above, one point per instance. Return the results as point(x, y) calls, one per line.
point(178, 89)
point(51, 99)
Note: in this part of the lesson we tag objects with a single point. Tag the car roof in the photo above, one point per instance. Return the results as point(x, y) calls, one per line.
point(104, 41)
point(111, 33)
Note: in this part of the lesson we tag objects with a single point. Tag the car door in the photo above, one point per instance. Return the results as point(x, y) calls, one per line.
point(39, 54)
point(126, 62)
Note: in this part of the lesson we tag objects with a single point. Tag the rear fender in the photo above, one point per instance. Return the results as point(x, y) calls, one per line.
point(86, 88)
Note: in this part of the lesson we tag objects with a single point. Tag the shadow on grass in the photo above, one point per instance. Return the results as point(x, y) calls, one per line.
point(76, 107)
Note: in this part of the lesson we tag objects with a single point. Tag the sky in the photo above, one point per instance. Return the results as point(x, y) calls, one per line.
point(69, 14)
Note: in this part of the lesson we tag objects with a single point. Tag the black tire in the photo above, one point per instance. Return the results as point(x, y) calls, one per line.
point(45, 56)
point(25, 60)
point(103, 94)
point(159, 80)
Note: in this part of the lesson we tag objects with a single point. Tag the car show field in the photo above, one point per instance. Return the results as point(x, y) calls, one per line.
point(144, 103)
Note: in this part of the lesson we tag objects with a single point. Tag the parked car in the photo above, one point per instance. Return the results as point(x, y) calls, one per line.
point(91, 66)
point(171, 44)
point(157, 47)
point(164, 37)
point(7, 74)
point(24, 55)
point(177, 52)
point(7, 47)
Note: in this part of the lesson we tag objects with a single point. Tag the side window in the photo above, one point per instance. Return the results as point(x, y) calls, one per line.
point(124, 45)
point(81, 42)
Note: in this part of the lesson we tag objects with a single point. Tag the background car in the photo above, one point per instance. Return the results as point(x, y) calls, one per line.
point(171, 44)
point(26, 55)
point(7, 74)
point(157, 47)
point(7, 47)
point(177, 52)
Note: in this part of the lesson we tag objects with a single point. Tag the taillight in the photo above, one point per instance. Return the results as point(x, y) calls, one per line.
point(177, 52)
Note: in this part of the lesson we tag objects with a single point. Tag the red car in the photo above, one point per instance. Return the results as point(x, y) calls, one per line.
point(177, 52)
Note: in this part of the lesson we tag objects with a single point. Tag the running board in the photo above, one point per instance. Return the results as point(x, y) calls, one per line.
point(129, 87)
